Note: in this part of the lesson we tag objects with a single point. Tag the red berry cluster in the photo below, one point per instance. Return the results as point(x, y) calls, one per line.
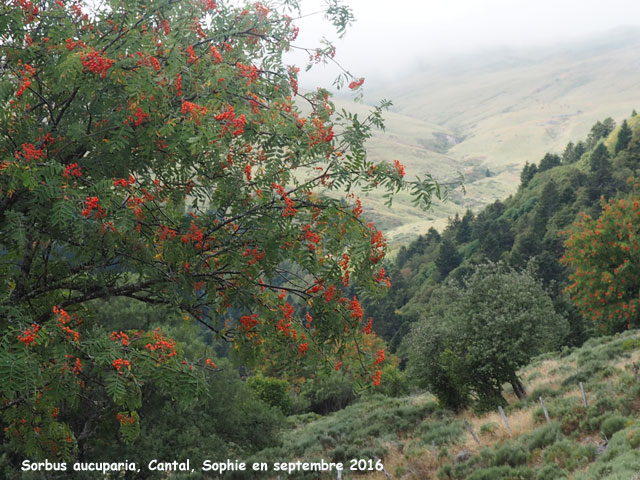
point(367, 328)
point(356, 83)
point(289, 210)
point(229, 121)
point(121, 182)
point(30, 152)
point(30, 335)
point(28, 8)
point(356, 309)
point(399, 168)
point(120, 363)
point(194, 111)
point(195, 235)
point(125, 419)
point(254, 253)
point(215, 53)
point(63, 322)
point(379, 357)
point(72, 170)
point(123, 337)
point(376, 378)
point(284, 325)
point(140, 117)
point(96, 62)
point(378, 244)
point(93, 207)
point(250, 72)
point(248, 322)
point(165, 348)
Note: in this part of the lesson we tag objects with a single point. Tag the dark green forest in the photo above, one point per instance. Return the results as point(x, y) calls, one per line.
point(523, 232)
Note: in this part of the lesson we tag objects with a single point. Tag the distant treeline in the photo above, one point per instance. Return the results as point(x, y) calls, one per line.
point(523, 231)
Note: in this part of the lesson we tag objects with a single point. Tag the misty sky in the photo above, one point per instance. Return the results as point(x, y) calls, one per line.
point(390, 36)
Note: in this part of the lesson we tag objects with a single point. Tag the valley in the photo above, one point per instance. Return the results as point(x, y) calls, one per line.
point(484, 116)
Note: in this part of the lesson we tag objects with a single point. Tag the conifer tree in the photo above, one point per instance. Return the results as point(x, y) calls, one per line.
point(448, 257)
point(624, 137)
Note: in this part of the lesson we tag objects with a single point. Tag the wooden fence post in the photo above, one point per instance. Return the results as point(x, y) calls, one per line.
point(386, 474)
point(504, 419)
point(584, 397)
point(473, 434)
point(544, 409)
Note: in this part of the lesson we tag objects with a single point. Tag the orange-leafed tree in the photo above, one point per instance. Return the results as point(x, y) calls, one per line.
point(605, 254)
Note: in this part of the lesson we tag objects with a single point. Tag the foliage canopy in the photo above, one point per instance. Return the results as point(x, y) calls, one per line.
point(475, 336)
point(604, 254)
point(156, 151)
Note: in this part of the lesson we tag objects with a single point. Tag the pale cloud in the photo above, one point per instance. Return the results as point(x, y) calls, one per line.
point(390, 37)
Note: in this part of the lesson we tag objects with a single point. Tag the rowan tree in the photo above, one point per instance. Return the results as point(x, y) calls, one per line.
point(604, 254)
point(157, 151)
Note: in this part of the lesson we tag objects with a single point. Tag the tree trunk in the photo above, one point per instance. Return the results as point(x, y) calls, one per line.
point(518, 388)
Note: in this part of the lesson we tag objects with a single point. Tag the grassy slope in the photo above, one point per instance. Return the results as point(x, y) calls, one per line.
point(402, 431)
point(497, 112)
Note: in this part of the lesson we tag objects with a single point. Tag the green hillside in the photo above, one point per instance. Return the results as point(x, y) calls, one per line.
point(523, 231)
point(485, 116)
point(194, 280)
point(403, 432)
point(416, 436)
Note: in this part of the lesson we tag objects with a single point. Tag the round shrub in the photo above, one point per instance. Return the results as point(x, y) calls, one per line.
point(551, 471)
point(572, 419)
point(272, 391)
point(633, 437)
point(543, 436)
point(512, 454)
point(613, 424)
point(569, 454)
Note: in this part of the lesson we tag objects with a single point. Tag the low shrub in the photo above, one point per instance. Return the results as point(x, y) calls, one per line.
point(572, 419)
point(543, 436)
point(592, 423)
point(633, 437)
point(630, 344)
point(533, 376)
point(272, 391)
point(444, 432)
point(605, 372)
point(569, 455)
point(604, 403)
point(612, 424)
point(488, 428)
point(557, 408)
point(533, 397)
point(512, 454)
point(550, 471)
point(621, 460)
point(502, 473)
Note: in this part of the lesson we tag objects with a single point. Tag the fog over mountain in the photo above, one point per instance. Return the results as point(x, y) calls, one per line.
point(387, 41)
point(483, 115)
